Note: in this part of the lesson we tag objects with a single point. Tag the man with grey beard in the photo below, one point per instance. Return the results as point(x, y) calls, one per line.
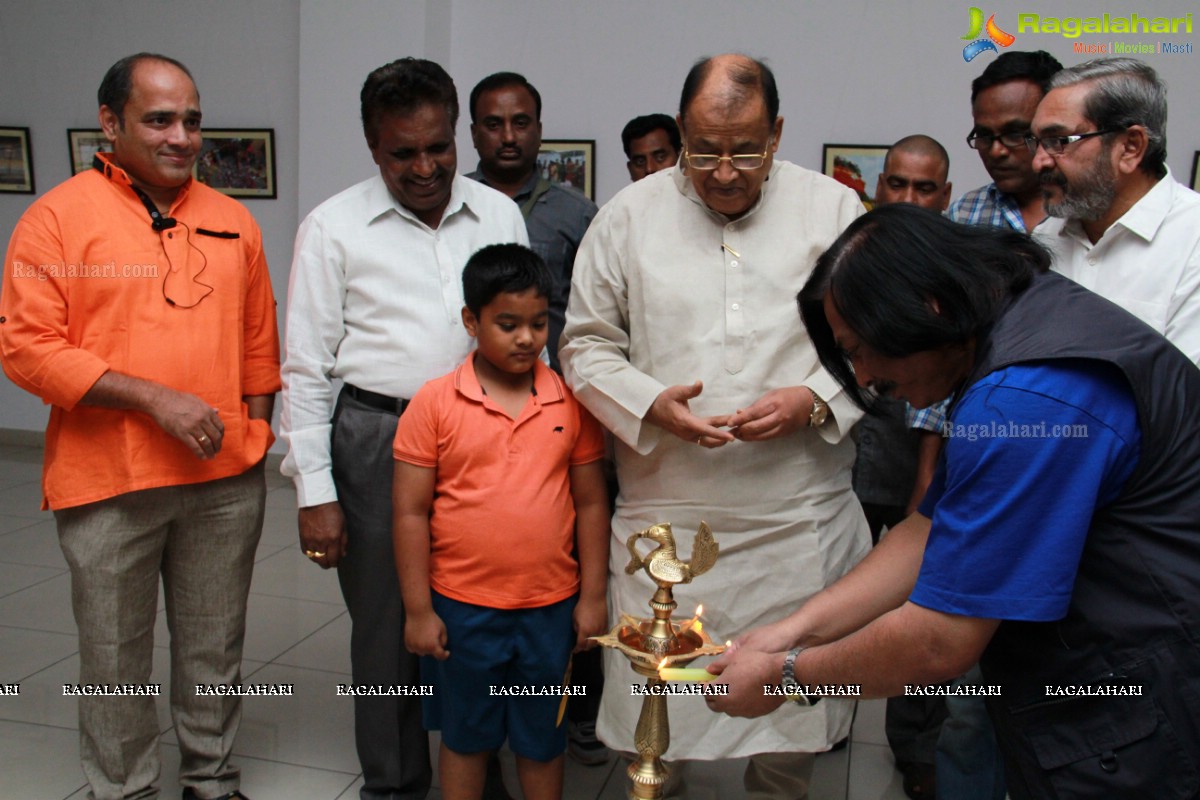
point(1119, 223)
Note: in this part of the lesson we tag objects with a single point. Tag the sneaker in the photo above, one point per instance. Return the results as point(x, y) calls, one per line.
point(583, 745)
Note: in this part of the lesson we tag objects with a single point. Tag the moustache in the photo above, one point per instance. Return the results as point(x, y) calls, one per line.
point(1052, 178)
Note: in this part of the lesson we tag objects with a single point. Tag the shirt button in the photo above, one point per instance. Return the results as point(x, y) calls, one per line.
point(733, 264)
point(1092, 261)
point(734, 306)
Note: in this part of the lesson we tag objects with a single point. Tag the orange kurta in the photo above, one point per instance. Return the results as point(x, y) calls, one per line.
point(85, 290)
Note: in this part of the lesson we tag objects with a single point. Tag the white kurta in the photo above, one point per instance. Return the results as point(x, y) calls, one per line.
point(667, 292)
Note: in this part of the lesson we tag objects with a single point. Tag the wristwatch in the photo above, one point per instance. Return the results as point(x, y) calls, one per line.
point(791, 689)
point(819, 413)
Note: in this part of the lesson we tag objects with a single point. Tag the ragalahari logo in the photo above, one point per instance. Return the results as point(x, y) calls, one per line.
point(994, 35)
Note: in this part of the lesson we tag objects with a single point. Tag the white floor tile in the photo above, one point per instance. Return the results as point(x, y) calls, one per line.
point(38, 761)
point(24, 500)
point(873, 774)
point(15, 577)
point(8, 523)
point(273, 624)
point(328, 648)
point(45, 606)
point(35, 544)
point(289, 573)
point(351, 792)
point(27, 652)
point(313, 728)
point(868, 722)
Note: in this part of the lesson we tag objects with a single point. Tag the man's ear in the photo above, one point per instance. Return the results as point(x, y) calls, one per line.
point(110, 123)
point(470, 322)
point(1132, 149)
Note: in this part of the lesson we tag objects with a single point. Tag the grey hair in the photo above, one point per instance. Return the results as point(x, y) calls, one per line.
point(1125, 92)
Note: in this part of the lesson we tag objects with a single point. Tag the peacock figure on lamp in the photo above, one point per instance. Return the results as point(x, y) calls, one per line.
point(655, 643)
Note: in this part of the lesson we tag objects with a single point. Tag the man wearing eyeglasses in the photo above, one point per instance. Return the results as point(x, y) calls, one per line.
point(1003, 101)
point(150, 331)
point(1122, 225)
point(682, 337)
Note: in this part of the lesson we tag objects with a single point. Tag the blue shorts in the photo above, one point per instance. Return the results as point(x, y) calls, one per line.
point(507, 649)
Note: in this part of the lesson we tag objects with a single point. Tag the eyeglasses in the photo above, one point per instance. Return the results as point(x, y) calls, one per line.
point(1056, 145)
point(983, 141)
point(739, 162)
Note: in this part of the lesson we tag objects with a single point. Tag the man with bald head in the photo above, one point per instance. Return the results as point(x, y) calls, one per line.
point(915, 171)
point(683, 339)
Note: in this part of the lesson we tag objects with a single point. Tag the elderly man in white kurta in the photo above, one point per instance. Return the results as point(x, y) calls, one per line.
point(684, 339)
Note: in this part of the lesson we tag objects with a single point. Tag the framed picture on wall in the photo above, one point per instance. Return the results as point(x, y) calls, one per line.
point(16, 161)
point(84, 144)
point(239, 162)
point(857, 166)
point(1196, 171)
point(569, 162)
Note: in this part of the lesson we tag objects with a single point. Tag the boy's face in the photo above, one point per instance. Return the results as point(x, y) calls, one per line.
point(511, 330)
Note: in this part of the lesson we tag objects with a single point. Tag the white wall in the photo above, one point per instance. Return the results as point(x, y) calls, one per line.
point(852, 71)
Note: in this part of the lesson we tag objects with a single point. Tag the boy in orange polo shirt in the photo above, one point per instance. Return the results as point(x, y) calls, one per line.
point(501, 533)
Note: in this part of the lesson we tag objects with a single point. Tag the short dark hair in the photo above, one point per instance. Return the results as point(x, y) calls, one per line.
point(921, 144)
point(889, 269)
point(1123, 92)
point(402, 87)
point(501, 268)
point(1018, 65)
point(755, 76)
point(638, 127)
point(117, 83)
point(502, 80)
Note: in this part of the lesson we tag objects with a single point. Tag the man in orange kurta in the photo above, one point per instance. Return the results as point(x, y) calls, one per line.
point(137, 304)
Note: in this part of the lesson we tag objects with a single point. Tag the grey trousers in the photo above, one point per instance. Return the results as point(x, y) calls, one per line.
point(201, 539)
point(393, 747)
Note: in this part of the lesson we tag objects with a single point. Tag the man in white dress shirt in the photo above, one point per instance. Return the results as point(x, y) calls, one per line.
point(684, 339)
point(375, 301)
point(1120, 224)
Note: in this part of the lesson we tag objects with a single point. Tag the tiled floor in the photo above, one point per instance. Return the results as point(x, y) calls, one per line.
point(289, 748)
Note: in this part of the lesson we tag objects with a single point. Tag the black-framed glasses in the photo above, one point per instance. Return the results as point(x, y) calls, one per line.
point(747, 161)
point(1056, 145)
point(984, 141)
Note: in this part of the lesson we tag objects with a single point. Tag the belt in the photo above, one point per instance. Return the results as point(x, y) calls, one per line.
point(382, 402)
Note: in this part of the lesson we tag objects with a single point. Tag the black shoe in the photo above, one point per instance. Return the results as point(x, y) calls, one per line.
point(190, 794)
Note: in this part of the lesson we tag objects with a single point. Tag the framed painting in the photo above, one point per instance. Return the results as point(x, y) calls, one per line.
point(857, 166)
point(16, 161)
point(569, 162)
point(84, 144)
point(239, 162)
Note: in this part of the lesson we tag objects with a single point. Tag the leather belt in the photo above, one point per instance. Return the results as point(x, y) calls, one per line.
point(381, 402)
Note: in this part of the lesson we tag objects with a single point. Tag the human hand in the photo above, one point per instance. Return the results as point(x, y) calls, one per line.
point(323, 533)
point(779, 412)
point(591, 619)
point(670, 411)
point(425, 635)
point(189, 419)
point(772, 638)
point(746, 672)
